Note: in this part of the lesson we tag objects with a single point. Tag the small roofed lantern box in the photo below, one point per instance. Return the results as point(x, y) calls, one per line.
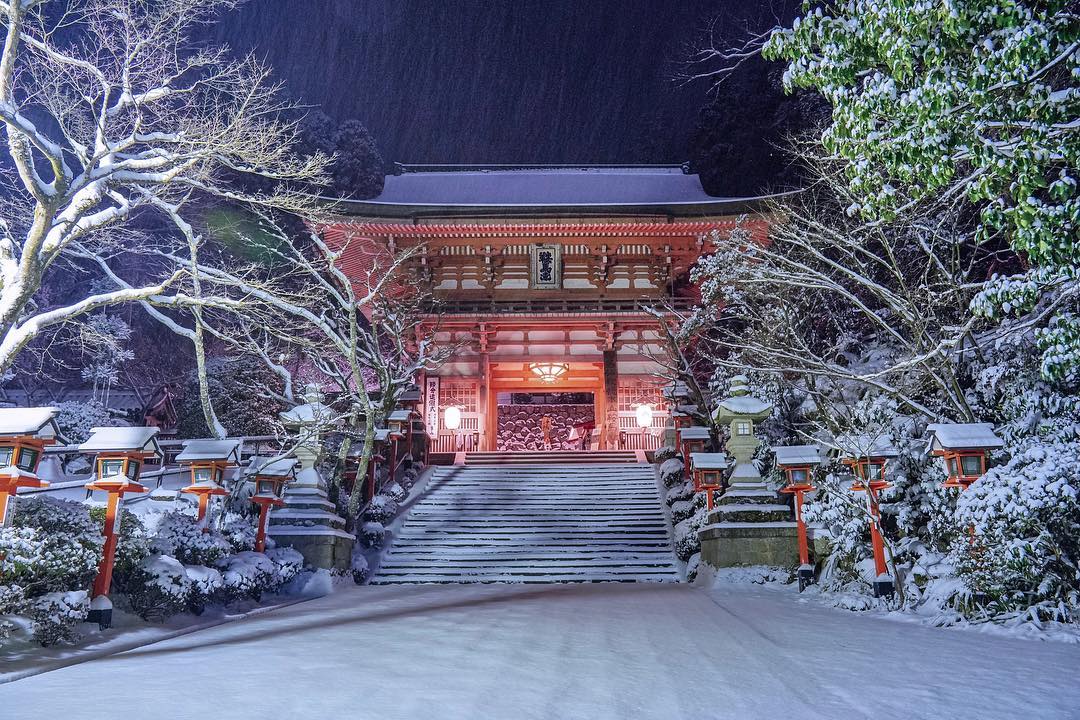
point(693, 440)
point(709, 471)
point(208, 460)
point(866, 457)
point(400, 423)
point(269, 476)
point(798, 463)
point(120, 454)
point(24, 433)
point(963, 447)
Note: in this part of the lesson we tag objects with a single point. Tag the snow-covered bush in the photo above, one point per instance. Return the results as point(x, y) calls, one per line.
point(75, 419)
point(1025, 557)
point(664, 454)
point(206, 586)
point(372, 535)
point(684, 509)
point(671, 472)
point(240, 410)
point(240, 531)
point(396, 491)
point(692, 567)
point(289, 563)
point(382, 509)
point(51, 546)
point(687, 543)
point(55, 616)
point(679, 492)
point(359, 567)
point(159, 588)
point(179, 535)
point(249, 574)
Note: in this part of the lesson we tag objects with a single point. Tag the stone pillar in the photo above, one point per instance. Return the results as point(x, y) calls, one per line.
point(609, 439)
point(309, 521)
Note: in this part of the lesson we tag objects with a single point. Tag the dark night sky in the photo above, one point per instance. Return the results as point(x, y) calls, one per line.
point(507, 81)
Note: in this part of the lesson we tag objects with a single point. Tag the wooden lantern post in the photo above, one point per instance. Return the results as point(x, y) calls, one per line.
point(24, 433)
point(866, 458)
point(120, 454)
point(693, 438)
point(400, 422)
point(269, 476)
point(798, 463)
point(963, 447)
point(208, 460)
point(709, 471)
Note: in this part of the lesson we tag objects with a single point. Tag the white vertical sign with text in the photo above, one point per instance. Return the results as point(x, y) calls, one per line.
point(431, 405)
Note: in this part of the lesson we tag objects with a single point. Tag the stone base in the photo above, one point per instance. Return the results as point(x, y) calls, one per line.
point(101, 616)
point(330, 551)
point(735, 544)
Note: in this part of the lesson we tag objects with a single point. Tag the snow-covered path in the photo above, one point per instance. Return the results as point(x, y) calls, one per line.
point(556, 652)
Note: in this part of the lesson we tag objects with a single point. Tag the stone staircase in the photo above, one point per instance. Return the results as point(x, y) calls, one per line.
point(557, 457)
point(520, 523)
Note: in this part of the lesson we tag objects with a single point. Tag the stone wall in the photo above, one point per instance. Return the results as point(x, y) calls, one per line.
point(519, 425)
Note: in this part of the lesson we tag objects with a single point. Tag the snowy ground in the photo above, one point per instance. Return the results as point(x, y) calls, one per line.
point(564, 651)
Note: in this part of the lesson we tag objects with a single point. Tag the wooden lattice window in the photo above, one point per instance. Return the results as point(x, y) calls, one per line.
point(633, 393)
point(462, 393)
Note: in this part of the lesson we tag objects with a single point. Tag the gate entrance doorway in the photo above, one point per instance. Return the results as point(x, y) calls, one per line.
point(530, 421)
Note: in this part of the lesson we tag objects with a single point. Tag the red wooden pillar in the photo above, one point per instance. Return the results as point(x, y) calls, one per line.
point(264, 503)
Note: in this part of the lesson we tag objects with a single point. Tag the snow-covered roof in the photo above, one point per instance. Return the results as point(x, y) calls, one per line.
point(411, 395)
point(855, 445)
point(745, 405)
point(796, 455)
point(209, 450)
point(676, 389)
point(38, 421)
point(543, 186)
point(694, 432)
point(120, 439)
point(272, 467)
point(708, 461)
point(401, 415)
point(962, 436)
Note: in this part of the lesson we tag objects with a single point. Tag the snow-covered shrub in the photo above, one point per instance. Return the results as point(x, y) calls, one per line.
point(360, 570)
point(684, 509)
point(55, 616)
point(382, 509)
point(240, 531)
point(664, 454)
point(671, 472)
point(159, 588)
point(396, 491)
point(206, 586)
point(679, 492)
point(687, 543)
point(179, 535)
point(249, 574)
point(289, 563)
point(51, 546)
point(692, 567)
point(240, 410)
point(1026, 516)
point(75, 419)
point(372, 535)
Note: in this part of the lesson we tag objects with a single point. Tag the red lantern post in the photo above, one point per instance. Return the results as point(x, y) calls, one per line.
point(24, 433)
point(709, 471)
point(963, 447)
point(865, 457)
point(270, 477)
point(798, 463)
point(208, 460)
point(121, 452)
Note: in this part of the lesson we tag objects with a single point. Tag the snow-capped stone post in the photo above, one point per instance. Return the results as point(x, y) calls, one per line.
point(208, 460)
point(121, 452)
point(798, 463)
point(749, 525)
point(963, 448)
point(866, 457)
point(269, 475)
point(24, 433)
point(308, 521)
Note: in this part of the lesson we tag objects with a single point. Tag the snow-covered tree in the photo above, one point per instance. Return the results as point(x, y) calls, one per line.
point(112, 114)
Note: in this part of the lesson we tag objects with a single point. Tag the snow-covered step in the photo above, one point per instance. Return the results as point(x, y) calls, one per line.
point(513, 522)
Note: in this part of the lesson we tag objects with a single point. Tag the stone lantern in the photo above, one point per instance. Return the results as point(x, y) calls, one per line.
point(750, 526)
point(24, 433)
point(308, 521)
point(208, 461)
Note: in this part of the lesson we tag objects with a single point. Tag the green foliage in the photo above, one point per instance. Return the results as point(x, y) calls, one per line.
point(75, 419)
point(975, 98)
point(51, 546)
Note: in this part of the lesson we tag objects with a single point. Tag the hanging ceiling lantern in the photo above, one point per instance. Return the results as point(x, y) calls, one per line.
point(549, 372)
